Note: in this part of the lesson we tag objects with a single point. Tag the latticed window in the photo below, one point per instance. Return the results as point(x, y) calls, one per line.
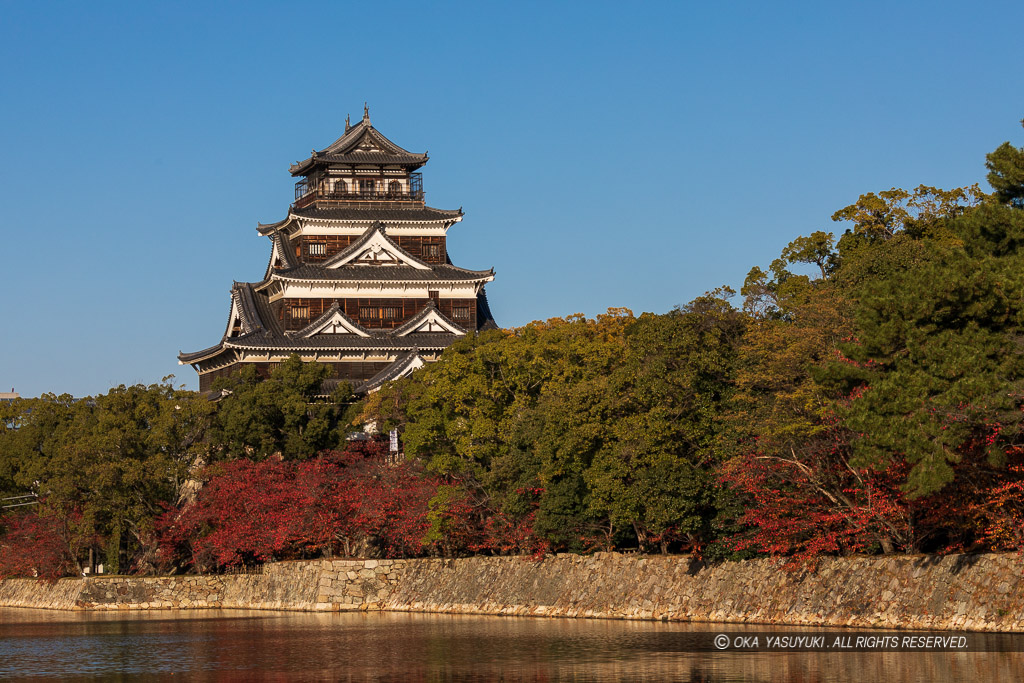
point(317, 248)
point(300, 312)
point(461, 312)
point(432, 250)
point(380, 312)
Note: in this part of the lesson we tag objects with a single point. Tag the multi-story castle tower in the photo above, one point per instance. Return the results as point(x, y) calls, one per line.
point(359, 275)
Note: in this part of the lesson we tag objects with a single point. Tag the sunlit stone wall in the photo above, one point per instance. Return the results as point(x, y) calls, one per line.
point(969, 592)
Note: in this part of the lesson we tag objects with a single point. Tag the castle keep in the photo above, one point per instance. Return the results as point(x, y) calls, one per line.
point(359, 276)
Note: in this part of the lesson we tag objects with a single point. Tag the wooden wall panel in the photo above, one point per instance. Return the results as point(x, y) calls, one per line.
point(431, 249)
point(461, 311)
point(333, 244)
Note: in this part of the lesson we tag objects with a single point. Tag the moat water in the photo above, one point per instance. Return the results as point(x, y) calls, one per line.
point(248, 645)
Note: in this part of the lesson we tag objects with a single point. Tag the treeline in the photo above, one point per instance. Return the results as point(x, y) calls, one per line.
point(861, 394)
point(100, 480)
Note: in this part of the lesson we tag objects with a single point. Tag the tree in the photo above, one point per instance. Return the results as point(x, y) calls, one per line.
point(1006, 173)
point(935, 355)
point(654, 473)
point(279, 414)
point(103, 466)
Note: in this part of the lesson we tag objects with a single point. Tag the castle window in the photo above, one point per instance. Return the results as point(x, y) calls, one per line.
point(394, 188)
point(461, 313)
point(433, 250)
point(380, 312)
point(317, 248)
point(300, 312)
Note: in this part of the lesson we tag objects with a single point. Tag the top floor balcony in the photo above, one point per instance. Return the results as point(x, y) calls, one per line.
point(309, 191)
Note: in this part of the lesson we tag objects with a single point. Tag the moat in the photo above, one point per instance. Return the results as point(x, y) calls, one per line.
point(239, 644)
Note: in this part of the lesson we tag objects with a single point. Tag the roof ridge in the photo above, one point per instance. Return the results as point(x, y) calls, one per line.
point(393, 370)
point(284, 244)
point(248, 313)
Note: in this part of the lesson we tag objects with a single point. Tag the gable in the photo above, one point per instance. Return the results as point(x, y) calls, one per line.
point(376, 250)
point(335, 323)
point(367, 144)
point(431, 322)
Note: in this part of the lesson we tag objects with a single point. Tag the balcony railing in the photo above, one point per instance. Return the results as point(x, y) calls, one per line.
point(377, 190)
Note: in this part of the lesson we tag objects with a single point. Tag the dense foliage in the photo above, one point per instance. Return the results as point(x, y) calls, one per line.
point(866, 394)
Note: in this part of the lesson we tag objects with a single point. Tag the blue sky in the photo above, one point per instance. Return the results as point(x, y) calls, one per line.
point(605, 154)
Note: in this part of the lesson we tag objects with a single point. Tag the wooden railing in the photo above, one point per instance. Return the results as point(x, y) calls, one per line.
point(382, 190)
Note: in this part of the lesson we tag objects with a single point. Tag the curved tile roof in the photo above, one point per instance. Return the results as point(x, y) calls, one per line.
point(345, 150)
point(441, 272)
point(416, 214)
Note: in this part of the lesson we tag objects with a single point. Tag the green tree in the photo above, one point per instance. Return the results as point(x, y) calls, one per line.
point(654, 472)
point(1006, 173)
point(936, 354)
point(104, 466)
point(279, 414)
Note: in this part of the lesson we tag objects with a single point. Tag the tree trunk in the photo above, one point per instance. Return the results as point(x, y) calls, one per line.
point(886, 543)
point(189, 488)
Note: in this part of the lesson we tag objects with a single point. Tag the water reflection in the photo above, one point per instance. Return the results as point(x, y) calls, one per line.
point(237, 645)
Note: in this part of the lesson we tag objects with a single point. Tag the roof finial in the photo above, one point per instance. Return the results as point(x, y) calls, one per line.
point(348, 123)
point(366, 113)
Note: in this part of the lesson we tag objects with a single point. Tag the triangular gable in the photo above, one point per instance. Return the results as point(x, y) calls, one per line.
point(363, 137)
point(367, 143)
point(429, 321)
point(375, 249)
point(333, 321)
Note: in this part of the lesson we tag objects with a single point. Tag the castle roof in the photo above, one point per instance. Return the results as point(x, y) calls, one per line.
point(362, 144)
point(374, 257)
point(400, 367)
point(392, 213)
point(260, 330)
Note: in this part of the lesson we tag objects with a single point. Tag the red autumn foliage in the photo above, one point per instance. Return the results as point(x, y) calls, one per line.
point(463, 523)
point(351, 503)
point(803, 508)
point(1002, 512)
point(35, 545)
point(818, 503)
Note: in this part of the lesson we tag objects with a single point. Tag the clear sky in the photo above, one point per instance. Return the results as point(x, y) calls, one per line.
point(605, 154)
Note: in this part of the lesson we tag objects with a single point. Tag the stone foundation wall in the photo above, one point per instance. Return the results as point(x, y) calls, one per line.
point(957, 592)
point(953, 592)
point(322, 585)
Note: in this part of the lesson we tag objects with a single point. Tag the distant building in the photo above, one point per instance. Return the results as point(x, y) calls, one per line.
point(359, 276)
point(9, 396)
